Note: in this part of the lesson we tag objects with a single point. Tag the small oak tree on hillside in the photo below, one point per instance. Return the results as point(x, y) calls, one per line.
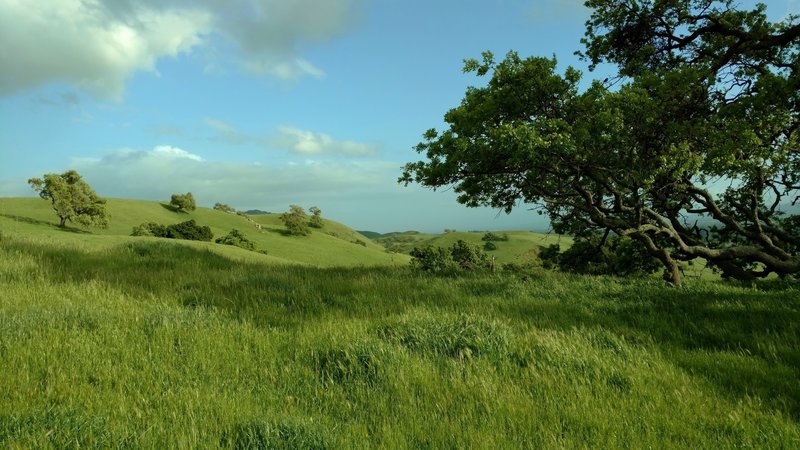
point(316, 217)
point(72, 198)
point(296, 221)
point(183, 203)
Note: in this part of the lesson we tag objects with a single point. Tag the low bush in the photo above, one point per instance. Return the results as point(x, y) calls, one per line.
point(461, 256)
point(188, 230)
point(616, 256)
point(237, 239)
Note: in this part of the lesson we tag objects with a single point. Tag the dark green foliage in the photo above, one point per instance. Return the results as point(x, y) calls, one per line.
point(489, 246)
point(494, 237)
point(225, 208)
point(394, 248)
point(237, 239)
point(296, 221)
point(360, 242)
point(72, 198)
point(432, 259)
point(616, 256)
point(460, 256)
point(150, 229)
point(188, 230)
point(707, 92)
point(316, 217)
point(183, 202)
point(549, 256)
point(468, 256)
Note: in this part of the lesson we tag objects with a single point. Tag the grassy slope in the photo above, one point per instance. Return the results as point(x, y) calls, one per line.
point(516, 249)
point(112, 341)
point(151, 344)
point(34, 216)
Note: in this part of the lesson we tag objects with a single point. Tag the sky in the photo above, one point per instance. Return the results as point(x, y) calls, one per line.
point(262, 103)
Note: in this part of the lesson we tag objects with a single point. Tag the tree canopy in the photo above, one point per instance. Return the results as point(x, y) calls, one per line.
point(72, 198)
point(183, 202)
point(296, 221)
point(693, 150)
point(316, 217)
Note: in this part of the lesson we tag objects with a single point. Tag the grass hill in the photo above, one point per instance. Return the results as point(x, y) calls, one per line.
point(113, 341)
point(333, 245)
point(517, 249)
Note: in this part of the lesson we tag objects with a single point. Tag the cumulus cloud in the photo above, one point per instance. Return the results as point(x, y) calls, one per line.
point(292, 139)
point(96, 44)
point(304, 142)
point(85, 44)
point(164, 170)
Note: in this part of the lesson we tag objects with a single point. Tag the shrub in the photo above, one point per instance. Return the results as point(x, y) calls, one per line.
point(224, 208)
point(296, 221)
point(489, 246)
point(150, 229)
point(489, 236)
point(468, 256)
point(188, 230)
point(549, 256)
point(617, 256)
point(184, 202)
point(360, 242)
point(432, 259)
point(461, 256)
point(237, 239)
point(316, 217)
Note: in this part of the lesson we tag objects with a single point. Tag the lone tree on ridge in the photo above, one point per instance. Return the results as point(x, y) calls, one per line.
point(183, 202)
point(72, 198)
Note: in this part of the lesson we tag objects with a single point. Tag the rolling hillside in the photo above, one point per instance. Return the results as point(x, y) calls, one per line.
point(519, 247)
point(333, 245)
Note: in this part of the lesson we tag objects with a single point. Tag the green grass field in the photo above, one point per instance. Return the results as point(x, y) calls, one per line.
point(112, 341)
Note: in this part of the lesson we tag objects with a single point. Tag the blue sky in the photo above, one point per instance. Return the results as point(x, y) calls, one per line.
point(261, 103)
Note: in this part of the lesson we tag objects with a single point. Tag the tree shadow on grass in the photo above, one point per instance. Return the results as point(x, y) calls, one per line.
point(171, 208)
point(51, 225)
point(741, 342)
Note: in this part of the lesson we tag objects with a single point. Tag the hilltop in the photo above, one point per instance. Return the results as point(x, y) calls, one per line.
point(334, 244)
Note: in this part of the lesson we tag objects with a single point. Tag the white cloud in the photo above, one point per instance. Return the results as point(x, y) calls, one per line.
point(285, 69)
point(96, 44)
point(292, 139)
point(305, 142)
point(164, 170)
point(83, 43)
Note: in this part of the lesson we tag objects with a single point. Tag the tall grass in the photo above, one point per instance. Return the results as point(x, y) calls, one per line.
point(153, 344)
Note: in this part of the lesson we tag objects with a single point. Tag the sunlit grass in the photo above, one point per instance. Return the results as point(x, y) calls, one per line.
point(152, 343)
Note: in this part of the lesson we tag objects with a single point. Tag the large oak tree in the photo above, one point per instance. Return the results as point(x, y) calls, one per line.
point(693, 150)
point(72, 198)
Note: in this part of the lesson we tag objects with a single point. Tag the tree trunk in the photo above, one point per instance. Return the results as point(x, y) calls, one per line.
point(672, 272)
point(63, 222)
